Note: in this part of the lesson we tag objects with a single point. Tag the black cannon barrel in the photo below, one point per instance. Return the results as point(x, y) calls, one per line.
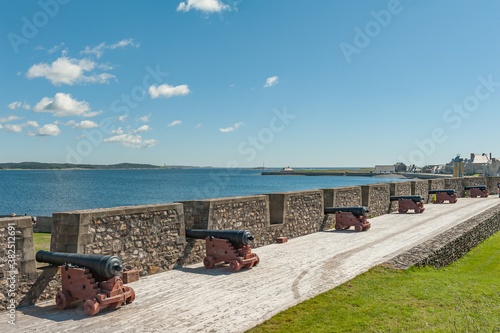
point(415, 198)
point(481, 187)
point(236, 237)
point(104, 266)
point(361, 210)
point(449, 191)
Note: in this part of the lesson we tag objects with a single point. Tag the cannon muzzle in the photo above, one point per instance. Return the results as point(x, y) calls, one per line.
point(104, 266)
point(414, 198)
point(359, 211)
point(236, 237)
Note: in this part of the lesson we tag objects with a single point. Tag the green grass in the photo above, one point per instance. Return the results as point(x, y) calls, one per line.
point(42, 241)
point(464, 297)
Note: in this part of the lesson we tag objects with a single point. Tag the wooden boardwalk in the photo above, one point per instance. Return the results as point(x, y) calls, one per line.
point(193, 299)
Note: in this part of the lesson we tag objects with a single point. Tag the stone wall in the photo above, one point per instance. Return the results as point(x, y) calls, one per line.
point(396, 189)
point(474, 181)
point(436, 184)
point(196, 213)
point(376, 198)
point(339, 197)
point(452, 244)
point(420, 187)
point(149, 238)
point(456, 184)
point(238, 213)
point(304, 213)
point(267, 217)
point(492, 182)
point(43, 224)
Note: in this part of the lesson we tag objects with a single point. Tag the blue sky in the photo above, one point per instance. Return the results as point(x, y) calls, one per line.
point(242, 83)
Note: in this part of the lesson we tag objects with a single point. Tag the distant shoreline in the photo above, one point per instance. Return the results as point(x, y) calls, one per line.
point(71, 166)
point(57, 169)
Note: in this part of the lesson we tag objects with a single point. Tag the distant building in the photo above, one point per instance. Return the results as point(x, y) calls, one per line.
point(385, 168)
point(493, 167)
point(430, 169)
point(413, 169)
point(436, 168)
point(400, 167)
point(478, 164)
point(441, 168)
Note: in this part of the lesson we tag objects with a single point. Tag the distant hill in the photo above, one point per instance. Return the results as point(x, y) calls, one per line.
point(58, 166)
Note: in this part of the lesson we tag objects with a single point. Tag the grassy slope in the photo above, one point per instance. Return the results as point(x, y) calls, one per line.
point(42, 242)
point(462, 297)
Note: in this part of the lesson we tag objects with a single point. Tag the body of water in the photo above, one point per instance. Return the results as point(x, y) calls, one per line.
point(43, 192)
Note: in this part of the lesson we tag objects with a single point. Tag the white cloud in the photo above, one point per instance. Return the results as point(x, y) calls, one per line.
point(14, 105)
point(84, 124)
point(206, 6)
point(122, 118)
point(175, 122)
point(143, 128)
point(132, 141)
point(91, 114)
point(13, 128)
point(144, 119)
point(198, 126)
point(68, 123)
point(31, 123)
point(18, 128)
point(47, 130)
point(99, 49)
point(63, 105)
point(68, 71)
point(9, 118)
point(17, 105)
point(271, 81)
point(80, 137)
point(117, 131)
point(167, 91)
point(232, 128)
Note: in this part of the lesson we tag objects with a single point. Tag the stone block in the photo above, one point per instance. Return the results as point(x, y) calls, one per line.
point(281, 239)
point(130, 276)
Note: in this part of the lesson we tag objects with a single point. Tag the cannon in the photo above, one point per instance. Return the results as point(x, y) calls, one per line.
point(477, 191)
point(92, 278)
point(443, 195)
point(407, 202)
point(228, 246)
point(346, 217)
